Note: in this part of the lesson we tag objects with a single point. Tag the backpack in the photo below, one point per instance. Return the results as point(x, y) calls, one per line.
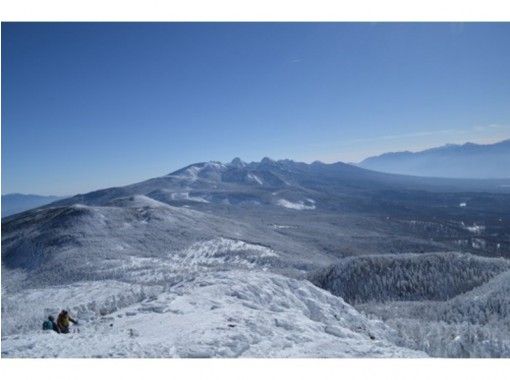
point(47, 325)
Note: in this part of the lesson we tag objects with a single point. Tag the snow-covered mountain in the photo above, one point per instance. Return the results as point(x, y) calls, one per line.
point(453, 161)
point(15, 203)
point(269, 182)
point(214, 260)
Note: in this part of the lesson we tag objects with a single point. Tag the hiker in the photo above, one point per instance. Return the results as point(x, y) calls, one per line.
point(50, 324)
point(63, 322)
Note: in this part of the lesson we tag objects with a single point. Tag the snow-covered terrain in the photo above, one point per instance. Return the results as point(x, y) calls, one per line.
point(269, 259)
point(219, 314)
point(214, 297)
point(446, 304)
point(472, 324)
point(409, 277)
point(220, 304)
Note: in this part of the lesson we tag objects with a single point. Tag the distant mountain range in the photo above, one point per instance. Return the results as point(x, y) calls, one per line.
point(453, 161)
point(238, 182)
point(15, 203)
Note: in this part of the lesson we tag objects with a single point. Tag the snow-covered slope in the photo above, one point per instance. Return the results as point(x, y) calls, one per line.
point(213, 299)
point(448, 305)
point(485, 304)
point(220, 314)
point(472, 324)
point(432, 276)
point(62, 245)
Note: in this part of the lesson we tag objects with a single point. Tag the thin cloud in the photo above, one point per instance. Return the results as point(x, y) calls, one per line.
point(481, 128)
point(391, 137)
point(450, 131)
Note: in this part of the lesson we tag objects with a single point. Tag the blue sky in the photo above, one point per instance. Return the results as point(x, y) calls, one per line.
point(88, 106)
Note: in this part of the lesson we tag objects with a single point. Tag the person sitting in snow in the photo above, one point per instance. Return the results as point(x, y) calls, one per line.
point(63, 321)
point(50, 324)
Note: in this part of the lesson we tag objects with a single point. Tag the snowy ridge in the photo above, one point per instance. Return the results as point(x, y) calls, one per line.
point(206, 170)
point(136, 201)
point(221, 251)
point(223, 314)
point(215, 298)
point(138, 277)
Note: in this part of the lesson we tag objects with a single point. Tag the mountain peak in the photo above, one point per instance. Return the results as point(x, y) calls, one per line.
point(267, 160)
point(237, 163)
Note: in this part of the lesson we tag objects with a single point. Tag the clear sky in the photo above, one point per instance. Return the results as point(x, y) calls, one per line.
point(88, 106)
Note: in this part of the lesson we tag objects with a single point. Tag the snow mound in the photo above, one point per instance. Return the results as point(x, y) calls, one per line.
point(306, 205)
point(205, 256)
point(221, 251)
